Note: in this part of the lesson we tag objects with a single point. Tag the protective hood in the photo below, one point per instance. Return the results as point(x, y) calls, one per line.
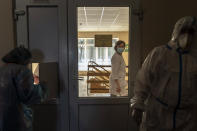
point(185, 23)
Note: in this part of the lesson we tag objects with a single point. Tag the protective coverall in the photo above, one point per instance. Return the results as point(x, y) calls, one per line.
point(16, 88)
point(166, 86)
point(119, 73)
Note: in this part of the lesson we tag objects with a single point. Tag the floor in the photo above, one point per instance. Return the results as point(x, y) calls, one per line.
point(84, 93)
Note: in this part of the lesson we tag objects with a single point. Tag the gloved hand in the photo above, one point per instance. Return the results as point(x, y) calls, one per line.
point(137, 115)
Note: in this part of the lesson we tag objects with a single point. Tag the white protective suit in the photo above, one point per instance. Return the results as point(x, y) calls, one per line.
point(166, 86)
point(118, 72)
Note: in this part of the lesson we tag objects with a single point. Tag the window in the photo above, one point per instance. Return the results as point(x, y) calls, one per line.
point(88, 52)
point(94, 63)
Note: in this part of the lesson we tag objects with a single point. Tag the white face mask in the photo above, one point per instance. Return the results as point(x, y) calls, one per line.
point(120, 50)
point(184, 40)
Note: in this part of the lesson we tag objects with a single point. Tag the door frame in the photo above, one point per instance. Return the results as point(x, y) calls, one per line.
point(135, 48)
point(21, 35)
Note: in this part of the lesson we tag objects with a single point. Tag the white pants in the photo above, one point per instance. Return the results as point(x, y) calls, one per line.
point(123, 85)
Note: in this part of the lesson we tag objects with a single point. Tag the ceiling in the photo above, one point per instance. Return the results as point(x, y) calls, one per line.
point(103, 18)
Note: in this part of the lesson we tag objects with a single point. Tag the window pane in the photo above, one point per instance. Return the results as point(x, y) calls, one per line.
point(90, 41)
point(94, 63)
point(81, 41)
point(110, 52)
point(101, 53)
point(90, 52)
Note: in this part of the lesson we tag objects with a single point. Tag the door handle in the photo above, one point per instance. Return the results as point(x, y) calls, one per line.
point(18, 13)
point(80, 78)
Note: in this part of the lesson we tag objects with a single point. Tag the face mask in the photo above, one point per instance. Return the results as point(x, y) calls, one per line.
point(184, 40)
point(120, 50)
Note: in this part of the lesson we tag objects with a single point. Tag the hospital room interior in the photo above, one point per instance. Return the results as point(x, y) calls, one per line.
point(72, 44)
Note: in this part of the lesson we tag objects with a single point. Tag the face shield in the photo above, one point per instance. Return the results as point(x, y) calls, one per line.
point(184, 31)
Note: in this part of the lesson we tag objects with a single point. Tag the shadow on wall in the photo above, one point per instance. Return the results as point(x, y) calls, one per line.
point(37, 56)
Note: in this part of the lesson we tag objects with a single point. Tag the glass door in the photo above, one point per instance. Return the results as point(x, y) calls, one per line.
point(94, 28)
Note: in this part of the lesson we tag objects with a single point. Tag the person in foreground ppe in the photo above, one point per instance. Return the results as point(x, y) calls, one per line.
point(16, 89)
point(117, 77)
point(166, 86)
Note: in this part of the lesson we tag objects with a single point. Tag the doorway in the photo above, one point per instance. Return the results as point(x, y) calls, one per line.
point(93, 29)
point(66, 32)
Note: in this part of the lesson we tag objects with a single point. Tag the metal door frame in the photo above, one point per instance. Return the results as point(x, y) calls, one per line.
point(135, 48)
point(21, 35)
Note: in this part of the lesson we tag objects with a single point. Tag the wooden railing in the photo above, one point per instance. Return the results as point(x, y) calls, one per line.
point(98, 78)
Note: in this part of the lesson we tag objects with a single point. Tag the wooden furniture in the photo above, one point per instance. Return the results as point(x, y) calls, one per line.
point(98, 78)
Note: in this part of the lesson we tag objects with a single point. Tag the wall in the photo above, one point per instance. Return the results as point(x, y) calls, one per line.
point(121, 35)
point(159, 19)
point(6, 27)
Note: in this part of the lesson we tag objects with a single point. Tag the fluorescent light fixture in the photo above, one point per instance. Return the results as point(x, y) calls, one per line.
point(102, 15)
point(86, 16)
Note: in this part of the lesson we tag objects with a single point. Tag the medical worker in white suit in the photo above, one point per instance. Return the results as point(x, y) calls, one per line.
point(117, 77)
point(165, 93)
